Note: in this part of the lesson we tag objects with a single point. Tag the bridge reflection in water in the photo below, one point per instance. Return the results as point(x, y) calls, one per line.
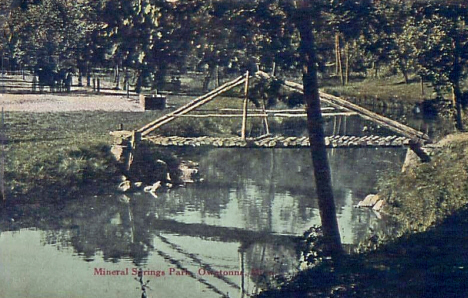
point(245, 217)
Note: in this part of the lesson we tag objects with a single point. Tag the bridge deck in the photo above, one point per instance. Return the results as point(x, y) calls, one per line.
point(279, 141)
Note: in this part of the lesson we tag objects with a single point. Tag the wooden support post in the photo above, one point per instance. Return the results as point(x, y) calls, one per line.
point(347, 63)
point(421, 81)
point(246, 99)
point(131, 147)
point(265, 120)
point(127, 84)
point(136, 139)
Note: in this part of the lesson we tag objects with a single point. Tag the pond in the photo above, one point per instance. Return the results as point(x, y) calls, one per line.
point(230, 235)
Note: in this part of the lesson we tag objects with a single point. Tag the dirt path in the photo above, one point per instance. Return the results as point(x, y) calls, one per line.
point(42, 103)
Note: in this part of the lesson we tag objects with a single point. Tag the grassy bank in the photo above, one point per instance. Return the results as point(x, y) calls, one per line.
point(424, 195)
point(391, 88)
point(52, 155)
point(55, 155)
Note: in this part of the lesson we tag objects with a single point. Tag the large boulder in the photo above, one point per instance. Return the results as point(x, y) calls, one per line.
point(188, 171)
point(369, 201)
point(379, 205)
point(411, 161)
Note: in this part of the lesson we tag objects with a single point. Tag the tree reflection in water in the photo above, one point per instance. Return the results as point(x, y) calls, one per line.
point(249, 198)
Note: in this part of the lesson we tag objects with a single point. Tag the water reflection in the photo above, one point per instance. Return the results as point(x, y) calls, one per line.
point(245, 217)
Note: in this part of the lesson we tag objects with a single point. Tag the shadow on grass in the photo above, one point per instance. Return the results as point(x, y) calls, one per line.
point(429, 264)
point(412, 80)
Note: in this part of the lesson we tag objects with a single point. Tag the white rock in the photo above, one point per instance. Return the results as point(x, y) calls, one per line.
point(369, 201)
point(379, 205)
point(125, 186)
point(156, 185)
point(152, 188)
point(138, 184)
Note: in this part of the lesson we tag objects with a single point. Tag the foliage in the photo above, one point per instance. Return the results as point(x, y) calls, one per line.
point(148, 39)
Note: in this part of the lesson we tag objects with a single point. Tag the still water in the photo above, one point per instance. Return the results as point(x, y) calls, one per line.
point(229, 235)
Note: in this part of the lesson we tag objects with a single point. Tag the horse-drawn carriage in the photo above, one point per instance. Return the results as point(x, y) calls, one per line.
point(56, 80)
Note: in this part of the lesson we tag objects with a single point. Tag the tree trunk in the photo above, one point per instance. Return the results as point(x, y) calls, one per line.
point(421, 81)
point(139, 81)
point(80, 77)
point(375, 69)
point(347, 63)
point(316, 134)
point(126, 79)
point(457, 97)
point(404, 72)
point(337, 53)
point(273, 69)
point(117, 77)
point(207, 79)
point(218, 79)
point(339, 59)
point(455, 78)
point(88, 75)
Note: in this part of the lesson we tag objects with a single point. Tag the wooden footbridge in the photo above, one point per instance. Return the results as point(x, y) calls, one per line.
point(404, 135)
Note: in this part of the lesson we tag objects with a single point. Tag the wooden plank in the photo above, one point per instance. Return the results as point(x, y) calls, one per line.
point(265, 119)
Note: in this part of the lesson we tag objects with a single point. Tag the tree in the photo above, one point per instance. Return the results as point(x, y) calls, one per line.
point(131, 34)
point(48, 33)
point(440, 38)
point(303, 14)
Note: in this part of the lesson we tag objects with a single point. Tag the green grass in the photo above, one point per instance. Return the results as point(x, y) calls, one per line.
point(51, 155)
point(389, 89)
point(55, 155)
